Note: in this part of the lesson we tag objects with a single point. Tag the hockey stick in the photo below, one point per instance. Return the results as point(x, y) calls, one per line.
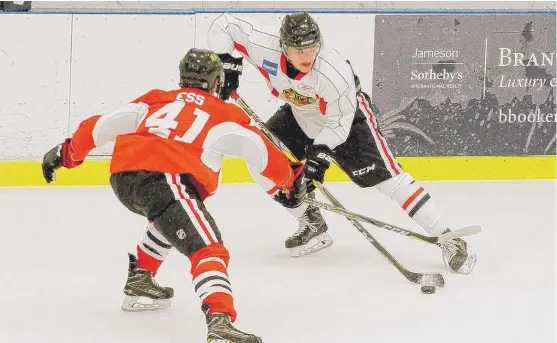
point(464, 231)
point(434, 279)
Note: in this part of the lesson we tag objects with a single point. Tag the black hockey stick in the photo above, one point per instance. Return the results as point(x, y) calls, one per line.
point(434, 279)
point(464, 231)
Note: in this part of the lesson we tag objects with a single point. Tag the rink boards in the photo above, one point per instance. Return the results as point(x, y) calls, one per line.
point(444, 130)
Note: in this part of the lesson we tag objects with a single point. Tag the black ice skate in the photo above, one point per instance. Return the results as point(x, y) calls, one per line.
point(221, 330)
point(457, 256)
point(312, 233)
point(142, 292)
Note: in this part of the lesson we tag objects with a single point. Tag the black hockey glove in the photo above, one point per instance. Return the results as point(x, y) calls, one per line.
point(318, 160)
point(57, 157)
point(293, 196)
point(232, 70)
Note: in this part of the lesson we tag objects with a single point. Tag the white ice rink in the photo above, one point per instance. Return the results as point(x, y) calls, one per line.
point(64, 264)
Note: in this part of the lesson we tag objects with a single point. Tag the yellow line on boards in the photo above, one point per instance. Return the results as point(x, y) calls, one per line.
point(95, 172)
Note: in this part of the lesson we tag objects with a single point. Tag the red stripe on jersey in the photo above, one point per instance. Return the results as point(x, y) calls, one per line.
point(193, 210)
point(200, 221)
point(380, 138)
point(283, 63)
point(299, 76)
point(268, 77)
point(412, 198)
point(322, 106)
point(265, 74)
point(175, 182)
point(241, 48)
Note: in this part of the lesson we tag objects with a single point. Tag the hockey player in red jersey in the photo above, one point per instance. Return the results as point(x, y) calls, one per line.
point(169, 147)
point(326, 116)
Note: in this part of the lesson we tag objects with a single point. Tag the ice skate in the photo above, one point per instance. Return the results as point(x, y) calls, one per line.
point(142, 292)
point(221, 330)
point(457, 256)
point(312, 233)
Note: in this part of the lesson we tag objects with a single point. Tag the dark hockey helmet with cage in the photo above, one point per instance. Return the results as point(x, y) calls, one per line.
point(299, 31)
point(200, 69)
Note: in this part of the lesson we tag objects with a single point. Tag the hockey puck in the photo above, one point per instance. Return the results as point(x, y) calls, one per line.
point(428, 289)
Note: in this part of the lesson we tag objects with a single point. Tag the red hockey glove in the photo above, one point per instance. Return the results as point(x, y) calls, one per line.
point(293, 195)
point(59, 156)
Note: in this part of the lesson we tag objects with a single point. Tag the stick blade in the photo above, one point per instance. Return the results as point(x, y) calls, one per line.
point(462, 232)
point(434, 279)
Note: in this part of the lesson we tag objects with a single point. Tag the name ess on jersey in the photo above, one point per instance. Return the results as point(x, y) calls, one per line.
point(191, 97)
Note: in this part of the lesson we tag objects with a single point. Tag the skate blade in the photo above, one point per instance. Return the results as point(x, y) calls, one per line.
point(317, 243)
point(142, 304)
point(223, 340)
point(468, 266)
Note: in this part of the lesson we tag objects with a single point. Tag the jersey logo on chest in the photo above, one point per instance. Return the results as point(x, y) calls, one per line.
point(297, 98)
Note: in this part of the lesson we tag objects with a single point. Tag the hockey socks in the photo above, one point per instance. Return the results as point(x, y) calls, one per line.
point(210, 279)
point(152, 250)
point(415, 201)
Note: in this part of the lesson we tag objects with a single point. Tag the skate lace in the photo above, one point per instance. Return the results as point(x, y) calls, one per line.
point(452, 248)
point(304, 223)
point(156, 284)
point(153, 283)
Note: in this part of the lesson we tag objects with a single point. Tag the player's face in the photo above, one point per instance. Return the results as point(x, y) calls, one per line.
point(215, 87)
point(302, 59)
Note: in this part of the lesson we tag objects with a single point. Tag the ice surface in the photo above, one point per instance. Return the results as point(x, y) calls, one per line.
point(64, 262)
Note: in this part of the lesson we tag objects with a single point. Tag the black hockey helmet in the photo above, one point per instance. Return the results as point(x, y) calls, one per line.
point(299, 31)
point(200, 69)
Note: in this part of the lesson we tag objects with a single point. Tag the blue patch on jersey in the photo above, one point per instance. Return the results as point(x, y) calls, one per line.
point(270, 67)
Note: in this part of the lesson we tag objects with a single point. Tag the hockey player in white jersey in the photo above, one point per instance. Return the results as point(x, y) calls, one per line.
point(326, 116)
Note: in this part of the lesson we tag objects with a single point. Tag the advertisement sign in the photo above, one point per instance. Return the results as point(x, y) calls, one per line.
point(466, 85)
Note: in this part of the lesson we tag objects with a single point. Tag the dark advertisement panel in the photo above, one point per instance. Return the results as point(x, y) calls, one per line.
point(466, 85)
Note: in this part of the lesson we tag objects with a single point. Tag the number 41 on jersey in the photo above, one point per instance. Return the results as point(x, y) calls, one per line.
point(163, 121)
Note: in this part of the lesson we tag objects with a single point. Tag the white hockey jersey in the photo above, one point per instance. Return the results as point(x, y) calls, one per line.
point(323, 101)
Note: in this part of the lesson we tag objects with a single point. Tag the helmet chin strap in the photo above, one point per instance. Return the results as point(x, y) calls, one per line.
point(216, 87)
point(284, 49)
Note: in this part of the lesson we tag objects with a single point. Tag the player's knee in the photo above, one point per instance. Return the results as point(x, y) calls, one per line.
point(175, 225)
point(362, 181)
point(398, 187)
point(366, 177)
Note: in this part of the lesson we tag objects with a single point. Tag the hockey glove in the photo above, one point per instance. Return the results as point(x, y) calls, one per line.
point(318, 160)
point(293, 196)
point(232, 70)
point(57, 157)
